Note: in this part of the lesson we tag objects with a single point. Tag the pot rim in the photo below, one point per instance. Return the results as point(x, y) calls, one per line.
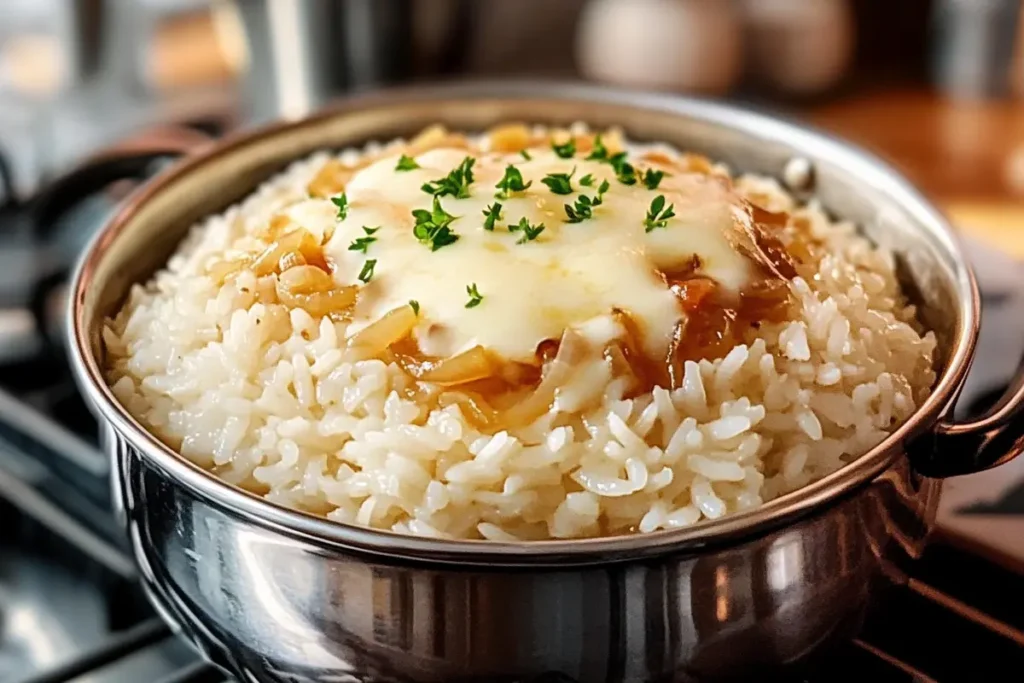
point(773, 513)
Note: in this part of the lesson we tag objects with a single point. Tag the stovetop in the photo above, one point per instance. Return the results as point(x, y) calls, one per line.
point(71, 608)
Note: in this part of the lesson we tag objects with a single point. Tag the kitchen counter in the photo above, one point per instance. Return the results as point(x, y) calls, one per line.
point(968, 157)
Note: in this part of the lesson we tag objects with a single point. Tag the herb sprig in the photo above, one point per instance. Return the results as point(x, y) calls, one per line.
point(566, 150)
point(559, 183)
point(341, 201)
point(599, 151)
point(415, 306)
point(584, 205)
point(456, 183)
point(526, 155)
point(511, 182)
point(492, 213)
point(475, 297)
point(653, 178)
point(432, 226)
point(366, 274)
point(587, 180)
point(406, 163)
point(363, 243)
point(657, 214)
point(529, 232)
point(624, 171)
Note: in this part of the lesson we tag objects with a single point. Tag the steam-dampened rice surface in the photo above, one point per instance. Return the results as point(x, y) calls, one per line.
point(274, 404)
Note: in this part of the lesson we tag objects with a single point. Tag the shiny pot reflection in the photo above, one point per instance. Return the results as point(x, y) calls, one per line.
point(275, 595)
point(284, 610)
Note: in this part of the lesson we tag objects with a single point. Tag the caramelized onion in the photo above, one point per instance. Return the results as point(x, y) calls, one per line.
point(468, 366)
point(305, 279)
point(511, 137)
point(376, 337)
point(319, 304)
point(220, 271)
point(330, 180)
point(298, 240)
point(474, 406)
point(291, 259)
point(571, 351)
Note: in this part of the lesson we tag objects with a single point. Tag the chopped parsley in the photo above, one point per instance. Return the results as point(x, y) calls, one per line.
point(432, 227)
point(658, 215)
point(525, 155)
point(406, 163)
point(559, 183)
point(530, 232)
point(511, 182)
point(587, 180)
point(475, 297)
point(653, 178)
point(492, 213)
point(366, 274)
point(624, 171)
point(584, 205)
point(581, 211)
point(566, 151)
point(362, 243)
point(599, 152)
point(341, 201)
point(415, 306)
point(455, 183)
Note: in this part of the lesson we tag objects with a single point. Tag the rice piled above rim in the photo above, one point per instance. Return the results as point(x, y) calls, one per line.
point(272, 398)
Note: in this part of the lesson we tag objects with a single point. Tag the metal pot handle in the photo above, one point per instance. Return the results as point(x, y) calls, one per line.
point(131, 159)
point(991, 440)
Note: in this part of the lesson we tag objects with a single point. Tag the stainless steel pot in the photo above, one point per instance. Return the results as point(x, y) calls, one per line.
point(277, 595)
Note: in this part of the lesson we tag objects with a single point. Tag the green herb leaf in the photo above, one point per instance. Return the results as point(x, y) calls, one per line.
point(432, 227)
point(653, 178)
point(599, 152)
point(587, 180)
point(511, 182)
point(341, 201)
point(455, 183)
point(475, 297)
point(559, 183)
point(581, 211)
point(530, 232)
point(366, 274)
point(492, 213)
point(657, 214)
point(361, 244)
point(566, 151)
point(415, 306)
point(406, 163)
point(624, 171)
point(525, 155)
point(370, 231)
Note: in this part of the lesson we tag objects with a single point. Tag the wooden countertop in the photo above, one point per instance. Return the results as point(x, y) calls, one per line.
point(968, 157)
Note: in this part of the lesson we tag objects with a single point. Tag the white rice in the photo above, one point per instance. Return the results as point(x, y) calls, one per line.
point(276, 405)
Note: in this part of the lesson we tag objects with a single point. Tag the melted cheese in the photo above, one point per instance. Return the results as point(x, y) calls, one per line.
point(569, 275)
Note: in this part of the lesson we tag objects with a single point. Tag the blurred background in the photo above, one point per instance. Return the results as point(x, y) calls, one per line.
point(935, 85)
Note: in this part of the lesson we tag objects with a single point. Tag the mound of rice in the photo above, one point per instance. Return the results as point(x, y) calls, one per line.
point(275, 405)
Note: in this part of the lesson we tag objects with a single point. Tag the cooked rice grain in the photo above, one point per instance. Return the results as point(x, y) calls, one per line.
point(278, 406)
